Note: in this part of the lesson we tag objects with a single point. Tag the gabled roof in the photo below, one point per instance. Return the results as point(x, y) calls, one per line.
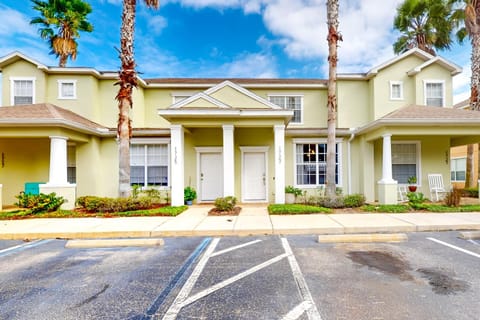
point(464, 104)
point(428, 58)
point(46, 114)
point(414, 115)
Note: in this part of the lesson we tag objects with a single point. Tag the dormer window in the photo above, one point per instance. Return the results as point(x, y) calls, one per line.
point(434, 93)
point(396, 90)
point(22, 91)
point(67, 89)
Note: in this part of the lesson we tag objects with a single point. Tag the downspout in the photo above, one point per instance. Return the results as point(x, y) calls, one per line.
point(349, 160)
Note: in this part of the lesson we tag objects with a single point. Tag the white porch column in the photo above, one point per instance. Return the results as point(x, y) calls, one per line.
point(57, 180)
point(177, 163)
point(58, 161)
point(279, 137)
point(387, 187)
point(228, 161)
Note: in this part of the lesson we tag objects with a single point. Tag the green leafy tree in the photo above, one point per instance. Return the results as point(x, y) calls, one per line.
point(333, 37)
point(423, 24)
point(127, 81)
point(60, 23)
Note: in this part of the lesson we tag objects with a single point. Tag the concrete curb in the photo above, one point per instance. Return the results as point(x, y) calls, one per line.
point(470, 235)
point(108, 243)
point(376, 237)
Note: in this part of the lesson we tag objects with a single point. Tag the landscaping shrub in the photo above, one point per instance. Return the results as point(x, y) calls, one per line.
point(37, 203)
point(470, 192)
point(354, 200)
point(225, 204)
point(99, 204)
point(452, 198)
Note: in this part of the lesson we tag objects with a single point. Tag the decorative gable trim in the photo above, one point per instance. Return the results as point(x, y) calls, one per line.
point(242, 90)
point(200, 95)
point(448, 65)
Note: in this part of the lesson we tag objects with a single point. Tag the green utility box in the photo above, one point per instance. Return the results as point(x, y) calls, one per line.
point(32, 187)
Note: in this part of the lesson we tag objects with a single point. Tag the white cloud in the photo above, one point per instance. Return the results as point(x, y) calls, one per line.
point(250, 65)
point(15, 23)
point(156, 24)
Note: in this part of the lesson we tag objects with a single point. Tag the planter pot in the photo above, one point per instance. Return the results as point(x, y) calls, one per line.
point(188, 202)
point(412, 188)
point(289, 198)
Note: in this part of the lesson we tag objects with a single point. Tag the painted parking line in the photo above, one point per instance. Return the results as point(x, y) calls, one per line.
point(235, 248)
point(455, 247)
point(297, 312)
point(21, 247)
point(475, 242)
point(312, 311)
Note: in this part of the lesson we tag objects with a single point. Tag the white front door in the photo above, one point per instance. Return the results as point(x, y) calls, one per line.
point(211, 176)
point(254, 176)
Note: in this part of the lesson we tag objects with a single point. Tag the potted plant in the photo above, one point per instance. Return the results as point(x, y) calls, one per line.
point(189, 194)
point(291, 194)
point(412, 183)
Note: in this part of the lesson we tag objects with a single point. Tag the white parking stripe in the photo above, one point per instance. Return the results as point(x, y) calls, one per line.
point(312, 311)
point(474, 242)
point(297, 312)
point(177, 304)
point(235, 248)
point(233, 279)
point(455, 247)
point(22, 246)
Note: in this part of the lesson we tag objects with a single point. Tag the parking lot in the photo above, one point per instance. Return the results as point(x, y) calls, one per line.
point(429, 276)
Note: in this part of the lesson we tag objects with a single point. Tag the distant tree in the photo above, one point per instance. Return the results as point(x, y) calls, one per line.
point(60, 22)
point(333, 37)
point(423, 24)
point(127, 81)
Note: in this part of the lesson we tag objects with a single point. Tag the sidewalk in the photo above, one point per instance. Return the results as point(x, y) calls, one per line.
point(253, 220)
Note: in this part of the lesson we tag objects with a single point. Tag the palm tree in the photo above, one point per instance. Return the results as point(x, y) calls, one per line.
point(423, 24)
point(333, 37)
point(127, 81)
point(60, 23)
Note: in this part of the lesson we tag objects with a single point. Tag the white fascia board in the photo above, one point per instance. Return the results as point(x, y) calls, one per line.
point(419, 53)
point(198, 112)
point(266, 113)
point(19, 55)
point(228, 83)
point(454, 69)
point(56, 122)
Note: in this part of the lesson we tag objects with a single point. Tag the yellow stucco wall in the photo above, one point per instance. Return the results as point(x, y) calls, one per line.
point(23, 69)
point(24, 160)
point(353, 103)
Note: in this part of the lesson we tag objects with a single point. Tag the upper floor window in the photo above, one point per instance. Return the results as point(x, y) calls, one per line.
point(290, 102)
point(67, 89)
point(458, 169)
point(396, 90)
point(405, 161)
point(149, 165)
point(22, 91)
point(434, 93)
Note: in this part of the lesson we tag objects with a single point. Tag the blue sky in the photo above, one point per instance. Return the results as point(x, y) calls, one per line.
point(228, 38)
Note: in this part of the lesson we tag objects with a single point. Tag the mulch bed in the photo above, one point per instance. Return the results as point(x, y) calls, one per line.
point(215, 212)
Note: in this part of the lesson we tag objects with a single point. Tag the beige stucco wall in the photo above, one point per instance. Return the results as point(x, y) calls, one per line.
point(353, 103)
point(434, 72)
point(23, 69)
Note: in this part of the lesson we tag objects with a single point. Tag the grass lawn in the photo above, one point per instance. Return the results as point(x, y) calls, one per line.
point(296, 209)
point(25, 214)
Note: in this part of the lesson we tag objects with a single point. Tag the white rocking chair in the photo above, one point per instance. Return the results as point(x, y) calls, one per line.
point(437, 188)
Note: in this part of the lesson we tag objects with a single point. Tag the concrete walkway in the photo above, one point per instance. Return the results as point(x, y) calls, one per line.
point(253, 220)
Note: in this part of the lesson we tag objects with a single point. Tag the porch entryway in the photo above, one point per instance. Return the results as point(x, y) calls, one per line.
point(254, 174)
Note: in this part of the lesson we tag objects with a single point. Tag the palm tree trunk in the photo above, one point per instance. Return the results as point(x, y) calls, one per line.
point(62, 62)
point(475, 86)
point(469, 178)
point(332, 38)
point(127, 81)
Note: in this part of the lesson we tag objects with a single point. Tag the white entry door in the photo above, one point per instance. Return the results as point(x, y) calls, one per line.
point(254, 176)
point(211, 176)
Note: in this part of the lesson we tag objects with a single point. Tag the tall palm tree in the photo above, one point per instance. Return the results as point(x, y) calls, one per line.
point(60, 23)
point(333, 37)
point(423, 24)
point(127, 81)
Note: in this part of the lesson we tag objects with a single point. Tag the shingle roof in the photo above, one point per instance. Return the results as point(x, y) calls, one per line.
point(47, 114)
point(414, 112)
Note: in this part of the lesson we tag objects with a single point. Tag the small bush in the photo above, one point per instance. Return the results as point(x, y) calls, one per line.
point(470, 192)
point(354, 200)
point(416, 198)
point(99, 204)
point(225, 204)
point(295, 191)
point(452, 198)
point(38, 203)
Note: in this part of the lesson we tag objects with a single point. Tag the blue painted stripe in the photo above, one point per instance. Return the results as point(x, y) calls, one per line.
point(176, 279)
point(21, 247)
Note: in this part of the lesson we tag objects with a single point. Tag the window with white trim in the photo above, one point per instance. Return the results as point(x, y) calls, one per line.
point(71, 164)
point(311, 164)
point(67, 89)
point(435, 93)
point(22, 91)
point(458, 169)
point(290, 102)
point(405, 161)
point(149, 165)
point(396, 90)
